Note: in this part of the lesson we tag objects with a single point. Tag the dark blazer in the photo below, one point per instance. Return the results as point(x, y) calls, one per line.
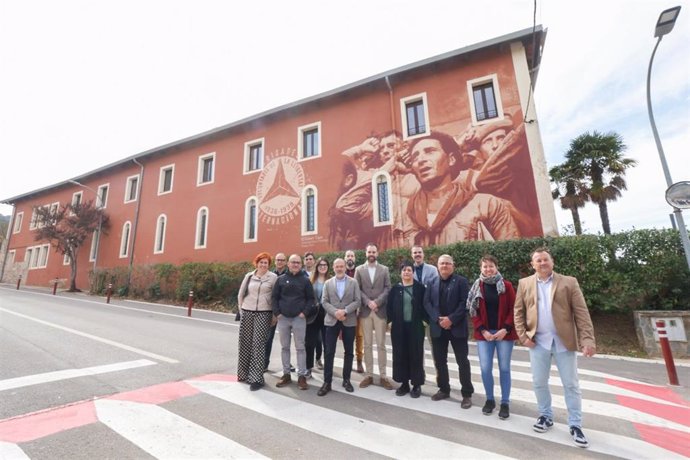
point(457, 305)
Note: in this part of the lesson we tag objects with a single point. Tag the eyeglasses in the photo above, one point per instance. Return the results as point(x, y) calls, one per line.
point(280, 260)
point(323, 265)
point(295, 262)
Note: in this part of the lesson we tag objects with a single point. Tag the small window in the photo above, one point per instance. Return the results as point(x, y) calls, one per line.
point(309, 210)
point(165, 181)
point(124, 240)
point(102, 196)
point(94, 246)
point(485, 99)
point(206, 169)
point(415, 114)
point(309, 141)
point(41, 220)
point(201, 228)
point(132, 189)
point(77, 198)
point(253, 155)
point(43, 256)
point(250, 219)
point(65, 260)
point(54, 208)
point(27, 256)
point(159, 244)
point(381, 199)
point(10, 257)
point(34, 217)
point(18, 220)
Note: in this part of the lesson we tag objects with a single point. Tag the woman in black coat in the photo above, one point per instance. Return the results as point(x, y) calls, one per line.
point(407, 315)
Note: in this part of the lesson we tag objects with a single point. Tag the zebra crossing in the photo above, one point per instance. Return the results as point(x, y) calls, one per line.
point(214, 416)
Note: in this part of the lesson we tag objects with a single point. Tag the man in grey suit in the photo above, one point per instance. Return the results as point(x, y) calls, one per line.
point(374, 283)
point(423, 272)
point(340, 300)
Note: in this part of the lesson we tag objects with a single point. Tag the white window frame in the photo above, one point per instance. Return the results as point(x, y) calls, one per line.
point(32, 223)
point(43, 251)
point(198, 228)
point(247, 239)
point(40, 222)
point(375, 199)
point(161, 179)
point(403, 113)
point(11, 254)
point(491, 78)
point(65, 259)
point(94, 246)
point(160, 236)
point(104, 203)
point(79, 194)
point(247, 149)
point(54, 207)
point(128, 188)
point(28, 255)
point(200, 169)
point(124, 243)
point(300, 141)
point(305, 232)
point(18, 221)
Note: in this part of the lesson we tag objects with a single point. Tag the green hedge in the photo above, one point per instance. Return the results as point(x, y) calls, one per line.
point(634, 270)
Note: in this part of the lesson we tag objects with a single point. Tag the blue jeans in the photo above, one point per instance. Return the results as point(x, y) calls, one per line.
point(566, 361)
point(504, 350)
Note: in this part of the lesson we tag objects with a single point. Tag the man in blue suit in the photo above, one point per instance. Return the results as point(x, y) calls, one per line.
point(445, 301)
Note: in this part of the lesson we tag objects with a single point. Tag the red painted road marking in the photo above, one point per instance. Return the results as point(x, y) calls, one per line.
point(673, 440)
point(680, 415)
point(40, 424)
point(650, 390)
point(158, 394)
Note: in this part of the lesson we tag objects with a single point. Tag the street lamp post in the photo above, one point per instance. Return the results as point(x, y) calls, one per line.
point(664, 25)
point(99, 203)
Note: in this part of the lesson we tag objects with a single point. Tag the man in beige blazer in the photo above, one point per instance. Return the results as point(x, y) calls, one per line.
point(374, 283)
point(341, 299)
point(551, 318)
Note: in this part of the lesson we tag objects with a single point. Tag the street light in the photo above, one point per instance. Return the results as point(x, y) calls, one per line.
point(99, 204)
point(664, 25)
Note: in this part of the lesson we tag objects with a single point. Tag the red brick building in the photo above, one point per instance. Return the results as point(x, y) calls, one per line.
point(438, 151)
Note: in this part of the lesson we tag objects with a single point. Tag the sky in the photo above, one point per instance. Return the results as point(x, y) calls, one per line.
point(87, 83)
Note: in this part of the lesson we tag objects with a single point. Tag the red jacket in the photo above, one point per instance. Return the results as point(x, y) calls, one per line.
point(506, 302)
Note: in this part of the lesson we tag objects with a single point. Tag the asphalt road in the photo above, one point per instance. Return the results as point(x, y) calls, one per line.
point(80, 378)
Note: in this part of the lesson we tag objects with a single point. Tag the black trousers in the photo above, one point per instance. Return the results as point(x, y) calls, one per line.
point(332, 333)
point(269, 346)
point(460, 349)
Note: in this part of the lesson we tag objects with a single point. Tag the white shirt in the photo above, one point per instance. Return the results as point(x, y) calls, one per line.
point(372, 271)
point(340, 286)
point(546, 334)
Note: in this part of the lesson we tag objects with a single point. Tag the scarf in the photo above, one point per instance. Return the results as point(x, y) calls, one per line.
point(476, 291)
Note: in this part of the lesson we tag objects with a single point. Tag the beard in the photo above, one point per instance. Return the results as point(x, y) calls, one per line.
point(371, 259)
point(350, 264)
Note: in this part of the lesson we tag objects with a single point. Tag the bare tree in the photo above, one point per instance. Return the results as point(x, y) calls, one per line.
point(68, 227)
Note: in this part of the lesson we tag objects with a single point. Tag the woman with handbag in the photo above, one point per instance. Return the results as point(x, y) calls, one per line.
point(254, 301)
point(313, 339)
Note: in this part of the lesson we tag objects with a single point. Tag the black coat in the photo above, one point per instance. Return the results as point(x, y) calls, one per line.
point(407, 339)
point(457, 304)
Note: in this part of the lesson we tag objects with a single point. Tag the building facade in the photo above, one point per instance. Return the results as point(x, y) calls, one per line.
point(439, 151)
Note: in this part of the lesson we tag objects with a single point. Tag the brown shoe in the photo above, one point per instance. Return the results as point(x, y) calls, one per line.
point(360, 368)
point(385, 383)
point(466, 402)
point(302, 382)
point(366, 382)
point(284, 381)
point(440, 394)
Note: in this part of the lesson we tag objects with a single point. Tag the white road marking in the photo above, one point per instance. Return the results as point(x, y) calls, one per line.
point(113, 343)
point(9, 451)
point(166, 435)
point(372, 436)
point(36, 379)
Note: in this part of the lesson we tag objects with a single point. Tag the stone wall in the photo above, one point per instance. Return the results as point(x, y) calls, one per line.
point(677, 328)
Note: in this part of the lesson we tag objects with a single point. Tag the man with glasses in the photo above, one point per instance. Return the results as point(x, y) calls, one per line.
point(293, 300)
point(309, 261)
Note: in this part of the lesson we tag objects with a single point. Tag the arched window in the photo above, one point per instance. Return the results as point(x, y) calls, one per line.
point(201, 228)
point(381, 198)
point(159, 243)
point(309, 210)
point(251, 212)
point(124, 240)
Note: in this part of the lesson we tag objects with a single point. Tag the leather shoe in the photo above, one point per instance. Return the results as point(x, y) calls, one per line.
point(466, 402)
point(439, 395)
point(403, 390)
point(366, 382)
point(325, 388)
point(284, 381)
point(360, 368)
point(385, 383)
point(348, 386)
point(255, 386)
point(416, 391)
point(302, 382)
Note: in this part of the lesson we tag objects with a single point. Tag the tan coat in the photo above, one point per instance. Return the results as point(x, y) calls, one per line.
point(568, 307)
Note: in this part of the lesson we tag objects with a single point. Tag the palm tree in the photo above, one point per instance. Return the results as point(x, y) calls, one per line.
point(599, 159)
point(570, 190)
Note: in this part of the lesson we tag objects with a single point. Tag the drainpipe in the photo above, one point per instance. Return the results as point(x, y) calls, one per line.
point(136, 221)
point(8, 237)
point(401, 212)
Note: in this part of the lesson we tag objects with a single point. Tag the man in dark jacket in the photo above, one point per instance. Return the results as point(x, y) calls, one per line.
point(445, 301)
point(293, 299)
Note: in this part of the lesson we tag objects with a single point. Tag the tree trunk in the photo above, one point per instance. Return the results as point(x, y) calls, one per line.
point(576, 220)
point(73, 272)
point(604, 214)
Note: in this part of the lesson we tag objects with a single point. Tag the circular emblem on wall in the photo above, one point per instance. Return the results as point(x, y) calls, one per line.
point(278, 189)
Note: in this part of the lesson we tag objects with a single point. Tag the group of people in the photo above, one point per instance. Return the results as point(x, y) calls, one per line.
point(357, 304)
